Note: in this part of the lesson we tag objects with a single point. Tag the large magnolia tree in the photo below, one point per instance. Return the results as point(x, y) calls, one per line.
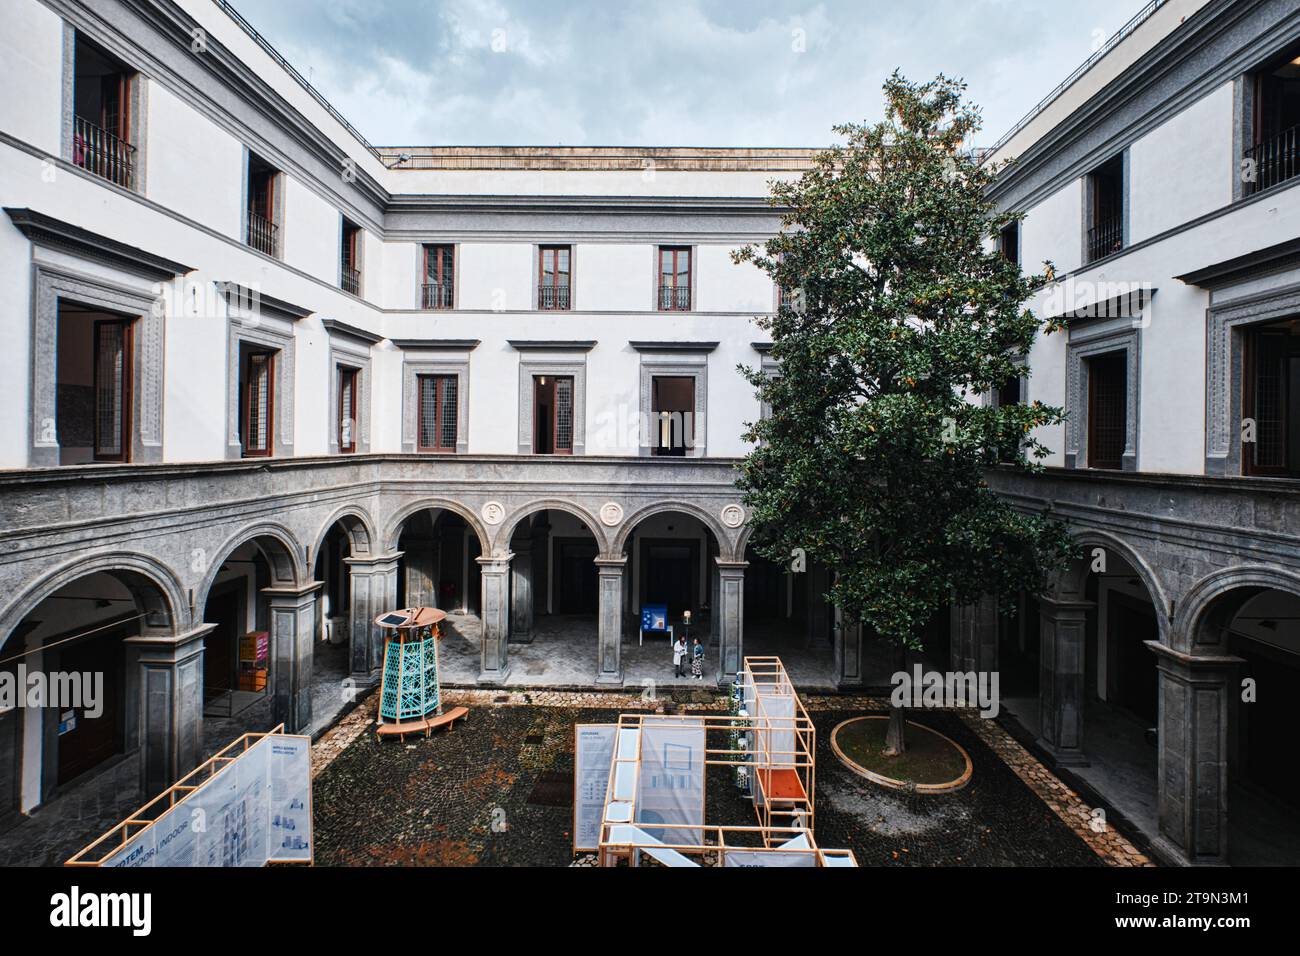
point(902, 314)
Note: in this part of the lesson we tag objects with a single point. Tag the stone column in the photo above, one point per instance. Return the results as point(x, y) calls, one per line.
point(974, 636)
point(731, 618)
point(848, 652)
point(168, 674)
point(521, 592)
point(373, 585)
point(541, 565)
point(820, 612)
point(609, 642)
point(494, 660)
point(293, 609)
point(1061, 677)
point(1192, 774)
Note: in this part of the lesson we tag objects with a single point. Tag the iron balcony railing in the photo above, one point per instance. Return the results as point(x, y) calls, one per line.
point(1273, 161)
point(436, 295)
point(1105, 237)
point(262, 233)
point(351, 280)
point(100, 152)
point(675, 298)
point(553, 297)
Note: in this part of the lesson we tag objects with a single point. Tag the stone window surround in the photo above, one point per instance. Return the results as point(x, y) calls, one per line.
point(1086, 217)
point(278, 217)
point(415, 364)
point(421, 264)
point(770, 368)
point(693, 363)
point(54, 283)
point(694, 286)
point(548, 361)
point(360, 263)
point(1088, 340)
point(1226, 324)
point(278, 336)
point(537, 278)
point(139, 89)
point(345, 355)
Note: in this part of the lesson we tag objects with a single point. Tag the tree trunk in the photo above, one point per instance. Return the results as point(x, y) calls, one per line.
point(896, 736)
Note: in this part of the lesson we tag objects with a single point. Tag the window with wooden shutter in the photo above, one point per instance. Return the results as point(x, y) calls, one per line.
point(259, 401)
point(1271, 401)
point(112, 390)
point(1107, 410)
point(437, 413)
point(674, 278)
point(347, 410)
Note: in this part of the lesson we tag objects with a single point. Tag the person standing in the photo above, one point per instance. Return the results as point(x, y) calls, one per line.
point(679, 657)
point(697, 660)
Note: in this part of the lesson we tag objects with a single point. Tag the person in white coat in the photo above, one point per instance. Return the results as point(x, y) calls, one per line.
point(679, 657)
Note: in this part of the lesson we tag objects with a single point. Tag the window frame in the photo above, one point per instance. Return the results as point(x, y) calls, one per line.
point(246, 403)
point(440, 379)
point(556, 249)
point(1117, 168)
point(454, 250)
point(676, 250)
point(126, 390)
point(351, 376)
point(350, 245)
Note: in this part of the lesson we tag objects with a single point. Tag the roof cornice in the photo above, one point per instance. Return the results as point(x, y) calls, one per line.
point(55, 233)
point(343, 330)
point(249, 299)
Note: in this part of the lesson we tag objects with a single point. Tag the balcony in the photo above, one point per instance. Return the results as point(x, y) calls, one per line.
point(1106, 237)
point(436, 295)
point(100, 152)
point(262, 233)
point(553, 297)
point(675, 298)
point(1274, 161)
point(350, 280)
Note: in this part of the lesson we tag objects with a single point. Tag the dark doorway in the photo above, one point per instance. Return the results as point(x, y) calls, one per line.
point(576, 587)
point(225, 609)
point(671, 574)
point(84, 742)
point(553, 414)
point(1134, 684)
point(1265, 735)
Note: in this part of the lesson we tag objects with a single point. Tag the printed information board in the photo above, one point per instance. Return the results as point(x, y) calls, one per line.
point(593, 753)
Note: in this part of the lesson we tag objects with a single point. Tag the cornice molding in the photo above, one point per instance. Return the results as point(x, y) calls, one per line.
point(1266, 261)
point(642, 346)
point(436, 345)
point(343, 330)
point(55, 233)
point(551, 345)
point(246, 297)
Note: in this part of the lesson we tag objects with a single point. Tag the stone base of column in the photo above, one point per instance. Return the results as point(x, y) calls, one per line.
point(495, 678)
point(1063, 757)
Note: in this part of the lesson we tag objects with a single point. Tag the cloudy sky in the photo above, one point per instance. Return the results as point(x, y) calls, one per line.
point(667, 72)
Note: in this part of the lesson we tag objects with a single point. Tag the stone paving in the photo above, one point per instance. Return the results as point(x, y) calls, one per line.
point(498, 791)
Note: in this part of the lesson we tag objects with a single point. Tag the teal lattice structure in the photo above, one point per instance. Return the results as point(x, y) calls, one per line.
point(411, 689)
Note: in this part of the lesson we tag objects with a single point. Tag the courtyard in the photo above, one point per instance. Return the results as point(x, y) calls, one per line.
point(498, 791)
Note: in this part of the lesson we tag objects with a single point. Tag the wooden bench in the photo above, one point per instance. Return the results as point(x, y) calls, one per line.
point(425, 725)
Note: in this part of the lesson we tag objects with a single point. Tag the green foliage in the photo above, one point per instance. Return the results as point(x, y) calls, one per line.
point(905, 313)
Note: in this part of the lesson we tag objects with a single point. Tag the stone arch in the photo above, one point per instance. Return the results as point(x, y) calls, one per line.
point(709, 521)
point(357, 524)
point(393, 530)
point(285, 561)
point(1213, 600)
point(511, 524)
point(1072, 581)
point(156, 590)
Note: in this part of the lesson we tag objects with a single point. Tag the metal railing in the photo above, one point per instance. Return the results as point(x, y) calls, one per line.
point(350, 280)
point(1273, 161)
point(98, 151)
point(436, 295)
point(553, 297)
point(1105, 237)
point(675, 298)
point(262, 233)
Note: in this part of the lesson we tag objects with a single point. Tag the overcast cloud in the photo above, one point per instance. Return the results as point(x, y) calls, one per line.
point(667, 72)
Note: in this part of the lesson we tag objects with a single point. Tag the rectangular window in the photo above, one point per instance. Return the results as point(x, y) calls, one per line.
point(674, 278)
point(437, 413)
point(1107, 410)
point(263, 203)
point(553, 415)
point(1008, 394)
point(438, 291)
point(1271, 406)
point(672, 406)
point(1106, 209)
point(553, 275)
point(350, 259)
point(258, 400)
point(1273, 152)
point(1009, 242)
point(102, 121)
point(112, 390)
point(347, 411)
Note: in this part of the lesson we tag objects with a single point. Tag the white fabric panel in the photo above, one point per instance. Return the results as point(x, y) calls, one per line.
point(671, 788)
point(649, 845)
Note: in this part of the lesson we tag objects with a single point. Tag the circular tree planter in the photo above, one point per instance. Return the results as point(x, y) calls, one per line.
point(932, 763)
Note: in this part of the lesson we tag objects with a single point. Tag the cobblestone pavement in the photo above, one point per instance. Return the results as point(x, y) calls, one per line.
point(498, 791)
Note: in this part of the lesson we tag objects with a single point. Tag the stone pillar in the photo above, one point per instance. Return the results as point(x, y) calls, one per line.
point(541, 565)
point(373, 585)
point(521, 592)
point(293, 609)
point(715, 606)
point(1192, 774)
point(609, 642)
point(974, 636)
point(494, 660)
point(168, 673)
point(421, 571)
point(731, 618)
point(848, 652)
point(1064, 626)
